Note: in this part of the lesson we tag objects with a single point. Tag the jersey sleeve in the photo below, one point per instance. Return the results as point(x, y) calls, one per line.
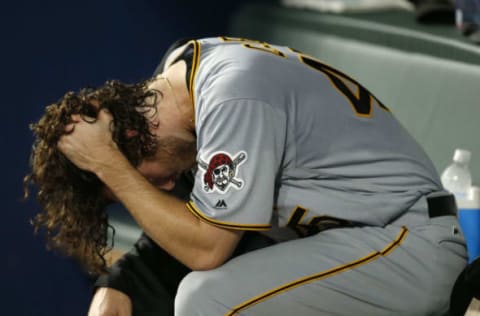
point(240, 146)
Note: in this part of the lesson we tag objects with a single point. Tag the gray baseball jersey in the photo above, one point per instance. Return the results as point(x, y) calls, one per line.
point(283, 137)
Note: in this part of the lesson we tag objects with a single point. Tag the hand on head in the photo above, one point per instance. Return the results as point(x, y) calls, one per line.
point(88, 141)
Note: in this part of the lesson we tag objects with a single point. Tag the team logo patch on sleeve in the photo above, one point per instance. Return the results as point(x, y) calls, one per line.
point(221, 171)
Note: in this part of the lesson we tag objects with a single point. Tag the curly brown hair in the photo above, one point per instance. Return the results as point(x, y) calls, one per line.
point(73, 201)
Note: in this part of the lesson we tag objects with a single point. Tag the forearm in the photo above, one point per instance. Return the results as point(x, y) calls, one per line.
point(163, 217)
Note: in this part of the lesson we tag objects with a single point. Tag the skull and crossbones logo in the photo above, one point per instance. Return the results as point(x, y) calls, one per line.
point(221, 171)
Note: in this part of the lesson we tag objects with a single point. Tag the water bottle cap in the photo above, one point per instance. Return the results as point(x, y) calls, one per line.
point(462, 156)
point(474, 193)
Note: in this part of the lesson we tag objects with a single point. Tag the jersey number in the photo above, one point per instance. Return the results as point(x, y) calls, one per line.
point(360, 100)
point(315, 224)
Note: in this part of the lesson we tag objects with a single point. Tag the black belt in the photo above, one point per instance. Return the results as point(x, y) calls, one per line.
point(441, 204)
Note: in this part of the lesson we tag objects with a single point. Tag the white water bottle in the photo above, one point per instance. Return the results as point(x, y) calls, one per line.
point(456, 178)
point(469, 219)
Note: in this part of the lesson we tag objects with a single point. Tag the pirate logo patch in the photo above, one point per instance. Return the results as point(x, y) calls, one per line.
point(221, 171)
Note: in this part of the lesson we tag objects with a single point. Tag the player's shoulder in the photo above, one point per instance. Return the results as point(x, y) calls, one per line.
point(188, 48)
point(219, 41)
point(243, 47)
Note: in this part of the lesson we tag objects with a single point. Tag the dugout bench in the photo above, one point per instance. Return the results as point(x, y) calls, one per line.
point(428, 75)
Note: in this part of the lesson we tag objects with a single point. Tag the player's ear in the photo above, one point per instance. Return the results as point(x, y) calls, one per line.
point(129, 133)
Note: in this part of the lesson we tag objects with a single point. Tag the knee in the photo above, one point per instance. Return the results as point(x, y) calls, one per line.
point(191, 288)
point(196, 295)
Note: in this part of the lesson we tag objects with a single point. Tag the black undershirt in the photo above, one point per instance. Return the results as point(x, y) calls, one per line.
point(186, 55)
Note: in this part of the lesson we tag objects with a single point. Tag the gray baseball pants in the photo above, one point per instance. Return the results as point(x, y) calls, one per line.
point(406, 268)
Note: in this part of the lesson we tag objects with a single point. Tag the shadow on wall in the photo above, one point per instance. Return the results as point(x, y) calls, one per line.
point(49, 48)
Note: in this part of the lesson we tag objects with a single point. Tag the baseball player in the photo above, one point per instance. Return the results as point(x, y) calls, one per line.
point(283, 140)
